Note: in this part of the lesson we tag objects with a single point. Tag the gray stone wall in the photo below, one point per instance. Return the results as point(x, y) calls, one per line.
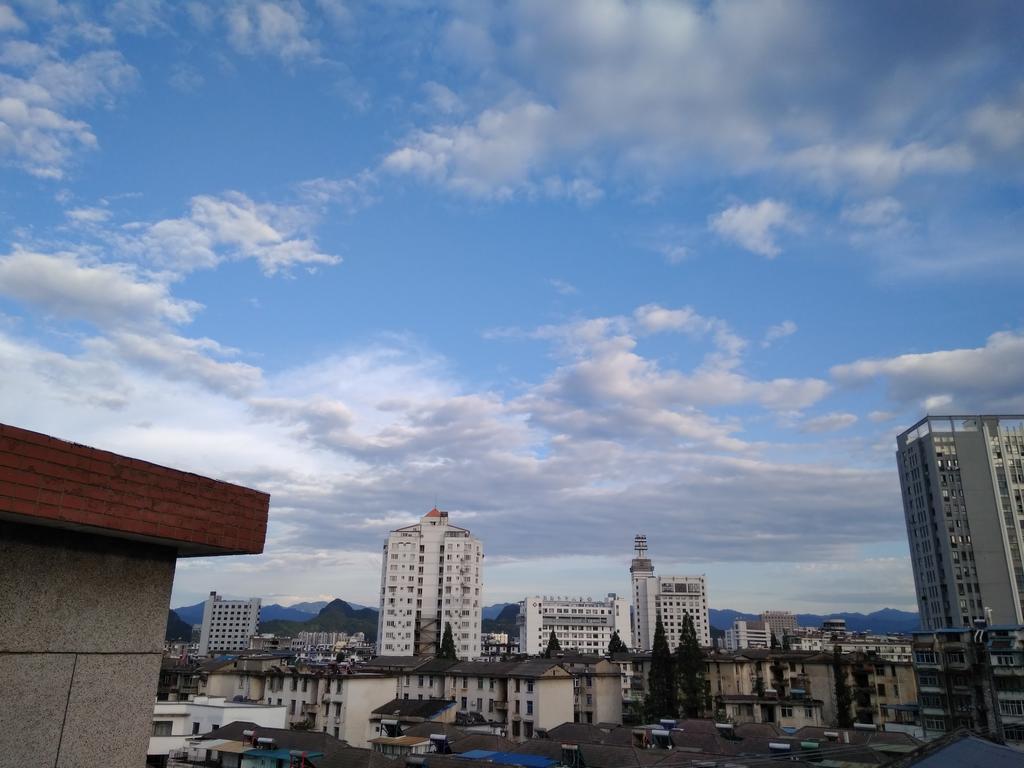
point(82, 621)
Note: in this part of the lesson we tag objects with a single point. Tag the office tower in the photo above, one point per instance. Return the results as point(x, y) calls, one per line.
point(671, 597)
point(430, 574)
point(580, 624)
point(962, 480)
point(781, 623)
point(228, 624)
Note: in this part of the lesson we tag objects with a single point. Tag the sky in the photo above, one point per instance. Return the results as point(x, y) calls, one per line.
point(572, 271)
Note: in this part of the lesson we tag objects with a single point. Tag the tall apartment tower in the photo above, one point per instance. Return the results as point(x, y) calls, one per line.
point(430, 574)
point(228, 624)
point(962, 480)
point(671, 597)
point(781, 623)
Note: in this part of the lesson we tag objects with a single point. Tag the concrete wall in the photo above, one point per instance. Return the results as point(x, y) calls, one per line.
point(80, 646)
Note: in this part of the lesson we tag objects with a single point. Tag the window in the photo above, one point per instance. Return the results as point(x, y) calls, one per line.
point(881, 689)
point(955, 657)
point(924, 657)
point(529, 686)
point(935, 723)
point(195, 728)
point(528, 729)
point(529, 707)
point(787, 711)
point(463, 702)
point(809, 712)
point(479, 705)
point(162, 728)
point(1012, 707)
point(928, 680)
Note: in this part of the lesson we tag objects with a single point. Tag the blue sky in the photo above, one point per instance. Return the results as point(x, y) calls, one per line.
point(574, 270)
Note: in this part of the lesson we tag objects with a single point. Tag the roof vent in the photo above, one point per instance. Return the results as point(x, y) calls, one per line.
point(865, 727)
point(779, 746)
point(832, 735)
point(662, 738)
point(439, 743)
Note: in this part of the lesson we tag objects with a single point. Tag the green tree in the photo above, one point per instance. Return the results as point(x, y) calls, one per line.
point(447, 650)
point(553, 648)
point(661, 680)
point(689, 669)
point(616, 645)
point(844, 719)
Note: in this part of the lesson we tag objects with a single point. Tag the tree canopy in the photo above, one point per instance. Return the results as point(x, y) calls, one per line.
point(553, 648)
point(616, 645)
point(689, 670)
point(447, 650)
point(661, 700)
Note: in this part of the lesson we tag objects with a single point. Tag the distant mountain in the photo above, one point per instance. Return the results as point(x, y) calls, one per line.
point(492, 611)
point(176, 628)
point(275, 611)
point(505, 621)
point(314, 608)
point(885, 620)
point(336, 616)
point(191, 614)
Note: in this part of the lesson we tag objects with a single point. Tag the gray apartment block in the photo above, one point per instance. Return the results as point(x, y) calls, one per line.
point(962, 480)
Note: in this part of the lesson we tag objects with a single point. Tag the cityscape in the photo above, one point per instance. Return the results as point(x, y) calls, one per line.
point(587, 384)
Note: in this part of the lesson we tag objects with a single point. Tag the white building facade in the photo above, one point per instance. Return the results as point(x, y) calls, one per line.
point(671, 597)
point(581, 624)
point(228, 624)
point(747, 634)
point(431, 574)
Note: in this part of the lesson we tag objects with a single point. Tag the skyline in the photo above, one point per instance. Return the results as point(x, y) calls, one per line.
point(571, 272)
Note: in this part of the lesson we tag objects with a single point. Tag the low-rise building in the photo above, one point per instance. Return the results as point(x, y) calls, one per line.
point(889, 647)
point(175, 722)
point(597, 688)
point(972, 679)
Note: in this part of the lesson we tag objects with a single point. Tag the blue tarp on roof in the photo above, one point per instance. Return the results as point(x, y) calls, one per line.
point(278, 754)
point(509, 758)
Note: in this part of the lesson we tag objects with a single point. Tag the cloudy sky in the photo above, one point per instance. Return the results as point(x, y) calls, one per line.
point(572, 271)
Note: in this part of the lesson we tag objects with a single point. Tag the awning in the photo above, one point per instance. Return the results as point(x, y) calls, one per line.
point(232, 747)
point(279, 754)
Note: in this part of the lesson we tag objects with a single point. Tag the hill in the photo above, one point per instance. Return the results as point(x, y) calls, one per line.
point(505, 621)
point(493, 611)
point(885, 620)
point(176, 628)
point(336, 616)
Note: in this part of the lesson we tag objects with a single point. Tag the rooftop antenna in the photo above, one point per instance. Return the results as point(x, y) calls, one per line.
point(640, 545)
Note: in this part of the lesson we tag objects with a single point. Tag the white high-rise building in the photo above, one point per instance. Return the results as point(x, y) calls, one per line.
point(671, 597)
point(580, 624)
point(228, 624)
point(430, 574)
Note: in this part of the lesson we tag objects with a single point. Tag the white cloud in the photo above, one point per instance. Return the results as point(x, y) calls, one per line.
point(276, 28)
point(829, 422)
point(879, 417)
point(9, 21)
point(756, 226)
point(983, 379)
point(563, 287)
point(443, 99)
point(35, 132)
point(107, 295)
point(877, 163)
point(231, 226)
point(880, 212)
point(1000, 123)
point(778, 331)
point(88, 215)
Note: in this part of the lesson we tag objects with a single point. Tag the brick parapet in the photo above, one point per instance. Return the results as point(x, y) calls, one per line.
point(48, 481)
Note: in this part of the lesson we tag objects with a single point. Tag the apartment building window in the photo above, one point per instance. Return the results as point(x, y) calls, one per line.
point(195, 728)
point(955, 657)
point(162, 727)
point(528, 729)
point(787, 711)
point(490, 705)
point(515, 727)
point(463, 702)
point(924, 657)
point(479, 705)
point(517, 706)
point(809, 712)
point(529, 686)
point(479, 683)
point(928, 680)
point(881, 689)
point(1012, 707)
point(490, 684)
point(935, 723)
point(529, 707)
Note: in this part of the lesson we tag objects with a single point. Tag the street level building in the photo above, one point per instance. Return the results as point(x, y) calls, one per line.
point(430, 575)
point(580, 624)
point(670, 597)
point(228, 624)
point(962, 479)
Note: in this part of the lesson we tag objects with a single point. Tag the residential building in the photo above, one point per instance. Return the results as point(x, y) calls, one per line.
point(514, 698)
point(597, 688)
point(430, 576)
point(780, 623)
point(88, 545)
point(747, 634)
point(495, 646)
point(175, 722)
point(962, 479)
point(580, 624)
point(228, 624)
point(879, 688)
point(972, 679)
point(670, 597)
point(888, 647)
